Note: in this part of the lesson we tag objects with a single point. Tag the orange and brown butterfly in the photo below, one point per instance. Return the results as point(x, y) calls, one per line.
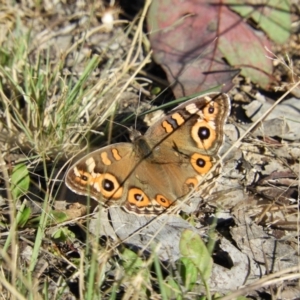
point(158, 169)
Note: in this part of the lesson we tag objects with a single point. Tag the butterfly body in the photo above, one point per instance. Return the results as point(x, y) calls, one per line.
point(159, 168)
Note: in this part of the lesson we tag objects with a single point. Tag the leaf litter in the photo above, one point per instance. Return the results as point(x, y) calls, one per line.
point(255, 202)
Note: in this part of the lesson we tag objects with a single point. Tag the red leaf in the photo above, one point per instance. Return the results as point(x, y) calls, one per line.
point(183, 36)
point(243, 48)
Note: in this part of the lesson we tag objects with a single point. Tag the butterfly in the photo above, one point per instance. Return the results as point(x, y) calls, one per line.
point(158, 169)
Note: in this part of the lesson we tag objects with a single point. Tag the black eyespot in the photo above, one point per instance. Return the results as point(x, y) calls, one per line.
point(211, 110)
point(201, 162)
point(163, 200)
point(138, 197)
point(84, 178)
point(203, 133)
point(108, 185)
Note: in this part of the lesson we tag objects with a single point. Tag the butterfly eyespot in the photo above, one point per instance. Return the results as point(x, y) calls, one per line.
point(203, 133)
point(138, 197)
point(211, 110)
point(81, 177)
point(192, 182)
point(201, 163)
point(84, 177)
point(110, 187)
point(163, 201)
